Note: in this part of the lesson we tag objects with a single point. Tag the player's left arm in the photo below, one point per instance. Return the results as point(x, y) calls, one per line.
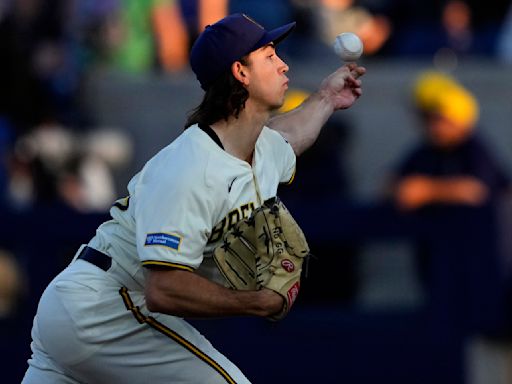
point(187, 294)
point(302, 125)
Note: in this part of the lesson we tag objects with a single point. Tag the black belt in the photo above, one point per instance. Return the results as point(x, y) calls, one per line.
point(95, 257)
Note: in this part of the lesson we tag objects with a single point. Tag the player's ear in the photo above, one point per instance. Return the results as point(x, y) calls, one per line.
point(239, 72)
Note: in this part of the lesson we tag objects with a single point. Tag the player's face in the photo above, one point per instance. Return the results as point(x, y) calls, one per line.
point(267, 82)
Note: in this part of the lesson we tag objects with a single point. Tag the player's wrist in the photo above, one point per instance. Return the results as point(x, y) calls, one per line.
point(260, 303)
point(275, 302)
point(267, 303)
point(325, 98)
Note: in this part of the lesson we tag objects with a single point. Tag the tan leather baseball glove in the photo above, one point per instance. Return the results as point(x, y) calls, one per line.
point(266, 250)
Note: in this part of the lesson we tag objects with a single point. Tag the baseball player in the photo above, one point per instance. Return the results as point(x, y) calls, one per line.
point(115, 314)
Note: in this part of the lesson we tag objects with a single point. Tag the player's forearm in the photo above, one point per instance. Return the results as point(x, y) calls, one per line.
point(302, 125)
point(186, 294)
point(339, 90)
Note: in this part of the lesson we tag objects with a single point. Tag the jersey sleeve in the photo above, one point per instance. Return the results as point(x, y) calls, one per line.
point(172, 217)
point(284, 156)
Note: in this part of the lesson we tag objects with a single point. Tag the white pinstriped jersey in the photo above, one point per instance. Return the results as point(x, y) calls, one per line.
point(186, 197)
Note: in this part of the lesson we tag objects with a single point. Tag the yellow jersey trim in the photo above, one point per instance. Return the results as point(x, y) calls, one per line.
point(167, 264)
point(153, 323)
point(293, 176)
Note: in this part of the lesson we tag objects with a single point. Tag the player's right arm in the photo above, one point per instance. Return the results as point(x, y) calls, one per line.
point(187, 294)
point(302, 125)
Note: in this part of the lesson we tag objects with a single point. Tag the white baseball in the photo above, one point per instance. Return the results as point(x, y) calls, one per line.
point(348, 46)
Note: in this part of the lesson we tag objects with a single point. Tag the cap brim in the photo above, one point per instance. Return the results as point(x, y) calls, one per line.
point(276, 35)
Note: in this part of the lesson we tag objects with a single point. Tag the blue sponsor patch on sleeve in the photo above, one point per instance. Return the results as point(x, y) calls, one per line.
point(164, 240)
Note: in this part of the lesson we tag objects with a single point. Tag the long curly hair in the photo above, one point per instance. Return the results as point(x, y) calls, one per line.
point(226, 97)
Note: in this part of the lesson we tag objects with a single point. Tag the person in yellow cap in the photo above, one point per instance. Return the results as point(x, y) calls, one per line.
point(453, 165)
point(452, 176)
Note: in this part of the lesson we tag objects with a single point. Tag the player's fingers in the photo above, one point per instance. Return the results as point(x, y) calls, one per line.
point(358, 71)
point(351, 66)
point(354, 82)
point(357, 91)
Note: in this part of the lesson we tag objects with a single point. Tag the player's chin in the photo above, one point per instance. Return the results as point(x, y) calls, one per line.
point(278, 103)
point(275, 107)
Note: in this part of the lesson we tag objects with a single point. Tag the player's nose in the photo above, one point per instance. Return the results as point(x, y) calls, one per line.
point(286, 68)
point(283, 67)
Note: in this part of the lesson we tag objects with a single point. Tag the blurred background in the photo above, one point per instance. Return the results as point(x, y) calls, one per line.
point(405, 198)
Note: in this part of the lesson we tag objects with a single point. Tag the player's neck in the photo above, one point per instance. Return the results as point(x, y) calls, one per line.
point(239, 135)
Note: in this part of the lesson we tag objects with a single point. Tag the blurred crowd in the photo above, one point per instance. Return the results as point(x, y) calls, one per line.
point(52, 152)
point(49, 47)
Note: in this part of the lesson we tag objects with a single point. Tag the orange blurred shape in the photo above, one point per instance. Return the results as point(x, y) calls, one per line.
point(171, 35)
point(338, 4)
point(374, 33)
point(211, 11)
point(456, 15)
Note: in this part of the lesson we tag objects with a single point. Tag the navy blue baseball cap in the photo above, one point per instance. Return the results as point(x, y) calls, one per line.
point(228, 40)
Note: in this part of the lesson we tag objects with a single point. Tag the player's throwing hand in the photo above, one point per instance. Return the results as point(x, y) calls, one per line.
point(343, 87)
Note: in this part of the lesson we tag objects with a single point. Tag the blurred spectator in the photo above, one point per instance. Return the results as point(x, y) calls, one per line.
point(37, 159)
point(332, 17)
point(453, 165)
point(456, 21)
point(97, 26)
point(53, 165)
point(133, 35)
point(134, 49)
point(197, 14)
point(12, 285)
point(171, 35)
point(452, 186)
point(464, 27)
point(105, 151)
point(451, 168)
point(41, 71)
point(211, 11)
